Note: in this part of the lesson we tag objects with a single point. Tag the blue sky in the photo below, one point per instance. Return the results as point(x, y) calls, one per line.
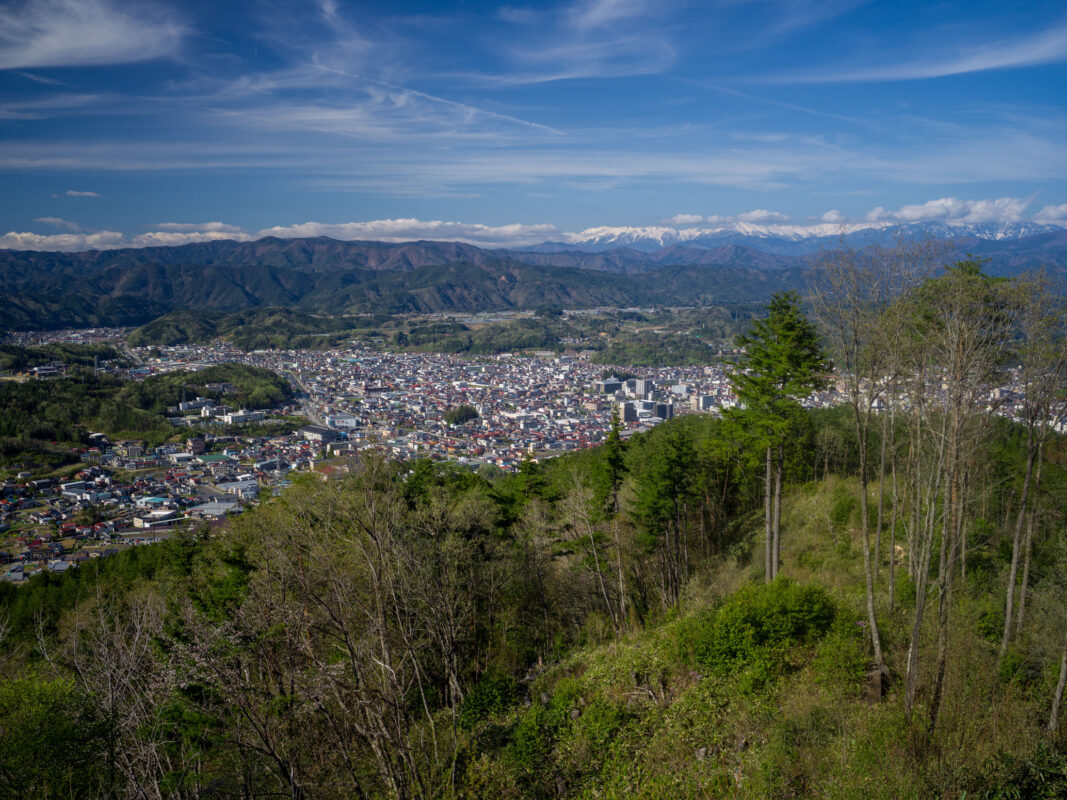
point(163, 122)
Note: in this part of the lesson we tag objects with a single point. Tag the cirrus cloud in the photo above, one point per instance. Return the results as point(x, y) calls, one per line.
point(59, 222)
point(197, 227)
point(74, 33)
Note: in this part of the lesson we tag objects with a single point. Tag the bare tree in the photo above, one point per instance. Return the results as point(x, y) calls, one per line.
point(960, 325)
point(1042, 357)
point(112, 655)
point(852, 297)
point(580, 514)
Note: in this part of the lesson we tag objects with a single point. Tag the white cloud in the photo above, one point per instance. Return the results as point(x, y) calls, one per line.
point(762, 215)
point(1055, 215)
point(949, 210)
point(76, 193)
point(67, 33)
point(101, 240)
point(407, 230)
point(953, 210)
point(382, 230)
point(197, 227)
point(686, 219)
point(59, 222)
point(170, 239)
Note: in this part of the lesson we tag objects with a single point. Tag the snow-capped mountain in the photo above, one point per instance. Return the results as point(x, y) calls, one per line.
point(784, 239)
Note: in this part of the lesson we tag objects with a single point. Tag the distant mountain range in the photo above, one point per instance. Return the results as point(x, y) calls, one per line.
point(127, 287)
point(788, 239)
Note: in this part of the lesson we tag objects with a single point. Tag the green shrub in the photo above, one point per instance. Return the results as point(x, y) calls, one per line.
point(754, 627)
point(1043, 774)
point(530, 753)
point(845, 503)
point(840, 662)
point(495, 692)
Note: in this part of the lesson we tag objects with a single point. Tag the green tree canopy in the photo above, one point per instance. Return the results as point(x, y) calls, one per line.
point(784, 361)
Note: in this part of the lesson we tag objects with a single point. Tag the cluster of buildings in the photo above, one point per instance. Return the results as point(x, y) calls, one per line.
point(200, 409)
point(356, 400)
point(134, 494)
point(537, 406)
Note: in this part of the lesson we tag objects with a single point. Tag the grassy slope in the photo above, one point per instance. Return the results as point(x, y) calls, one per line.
point(643, 717)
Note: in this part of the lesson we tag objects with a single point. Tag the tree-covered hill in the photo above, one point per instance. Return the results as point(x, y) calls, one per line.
point(254, 329)
point(134, 286)
point(15, 358)
point(65, 295)
point(426, 632)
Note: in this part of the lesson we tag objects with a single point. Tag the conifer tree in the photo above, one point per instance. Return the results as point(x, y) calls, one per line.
point(783, 363)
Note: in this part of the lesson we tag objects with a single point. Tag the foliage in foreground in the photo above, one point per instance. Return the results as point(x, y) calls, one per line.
point(435, 634)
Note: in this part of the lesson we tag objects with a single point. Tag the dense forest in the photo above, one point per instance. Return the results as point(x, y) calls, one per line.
point(254, 329)
point(785, 602)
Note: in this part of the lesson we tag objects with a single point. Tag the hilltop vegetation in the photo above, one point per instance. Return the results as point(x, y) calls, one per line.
point(14, 358)
point(255, 329)
point(407, 613)
point(46, 290)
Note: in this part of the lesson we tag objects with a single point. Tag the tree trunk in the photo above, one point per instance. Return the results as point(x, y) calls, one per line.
point(952, 529)
point(768, 553)
point(881, 502)
point(779, 468)
point(1016, 550)
point(894, 515)
point(926, 489)
point(1057, 698)
point(865, 528)
point(600, 578)
point(1028, 544)
point(621, 578)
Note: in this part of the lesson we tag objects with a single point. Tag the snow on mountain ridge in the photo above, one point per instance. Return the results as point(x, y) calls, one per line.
point(658, 236)
point(674, 235)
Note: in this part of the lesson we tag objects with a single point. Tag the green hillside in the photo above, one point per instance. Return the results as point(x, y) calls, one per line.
point(509, 666)
point(858, 601)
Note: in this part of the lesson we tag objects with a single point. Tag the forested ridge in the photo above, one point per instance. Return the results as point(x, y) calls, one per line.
point(50, 290)
point(785, 602)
